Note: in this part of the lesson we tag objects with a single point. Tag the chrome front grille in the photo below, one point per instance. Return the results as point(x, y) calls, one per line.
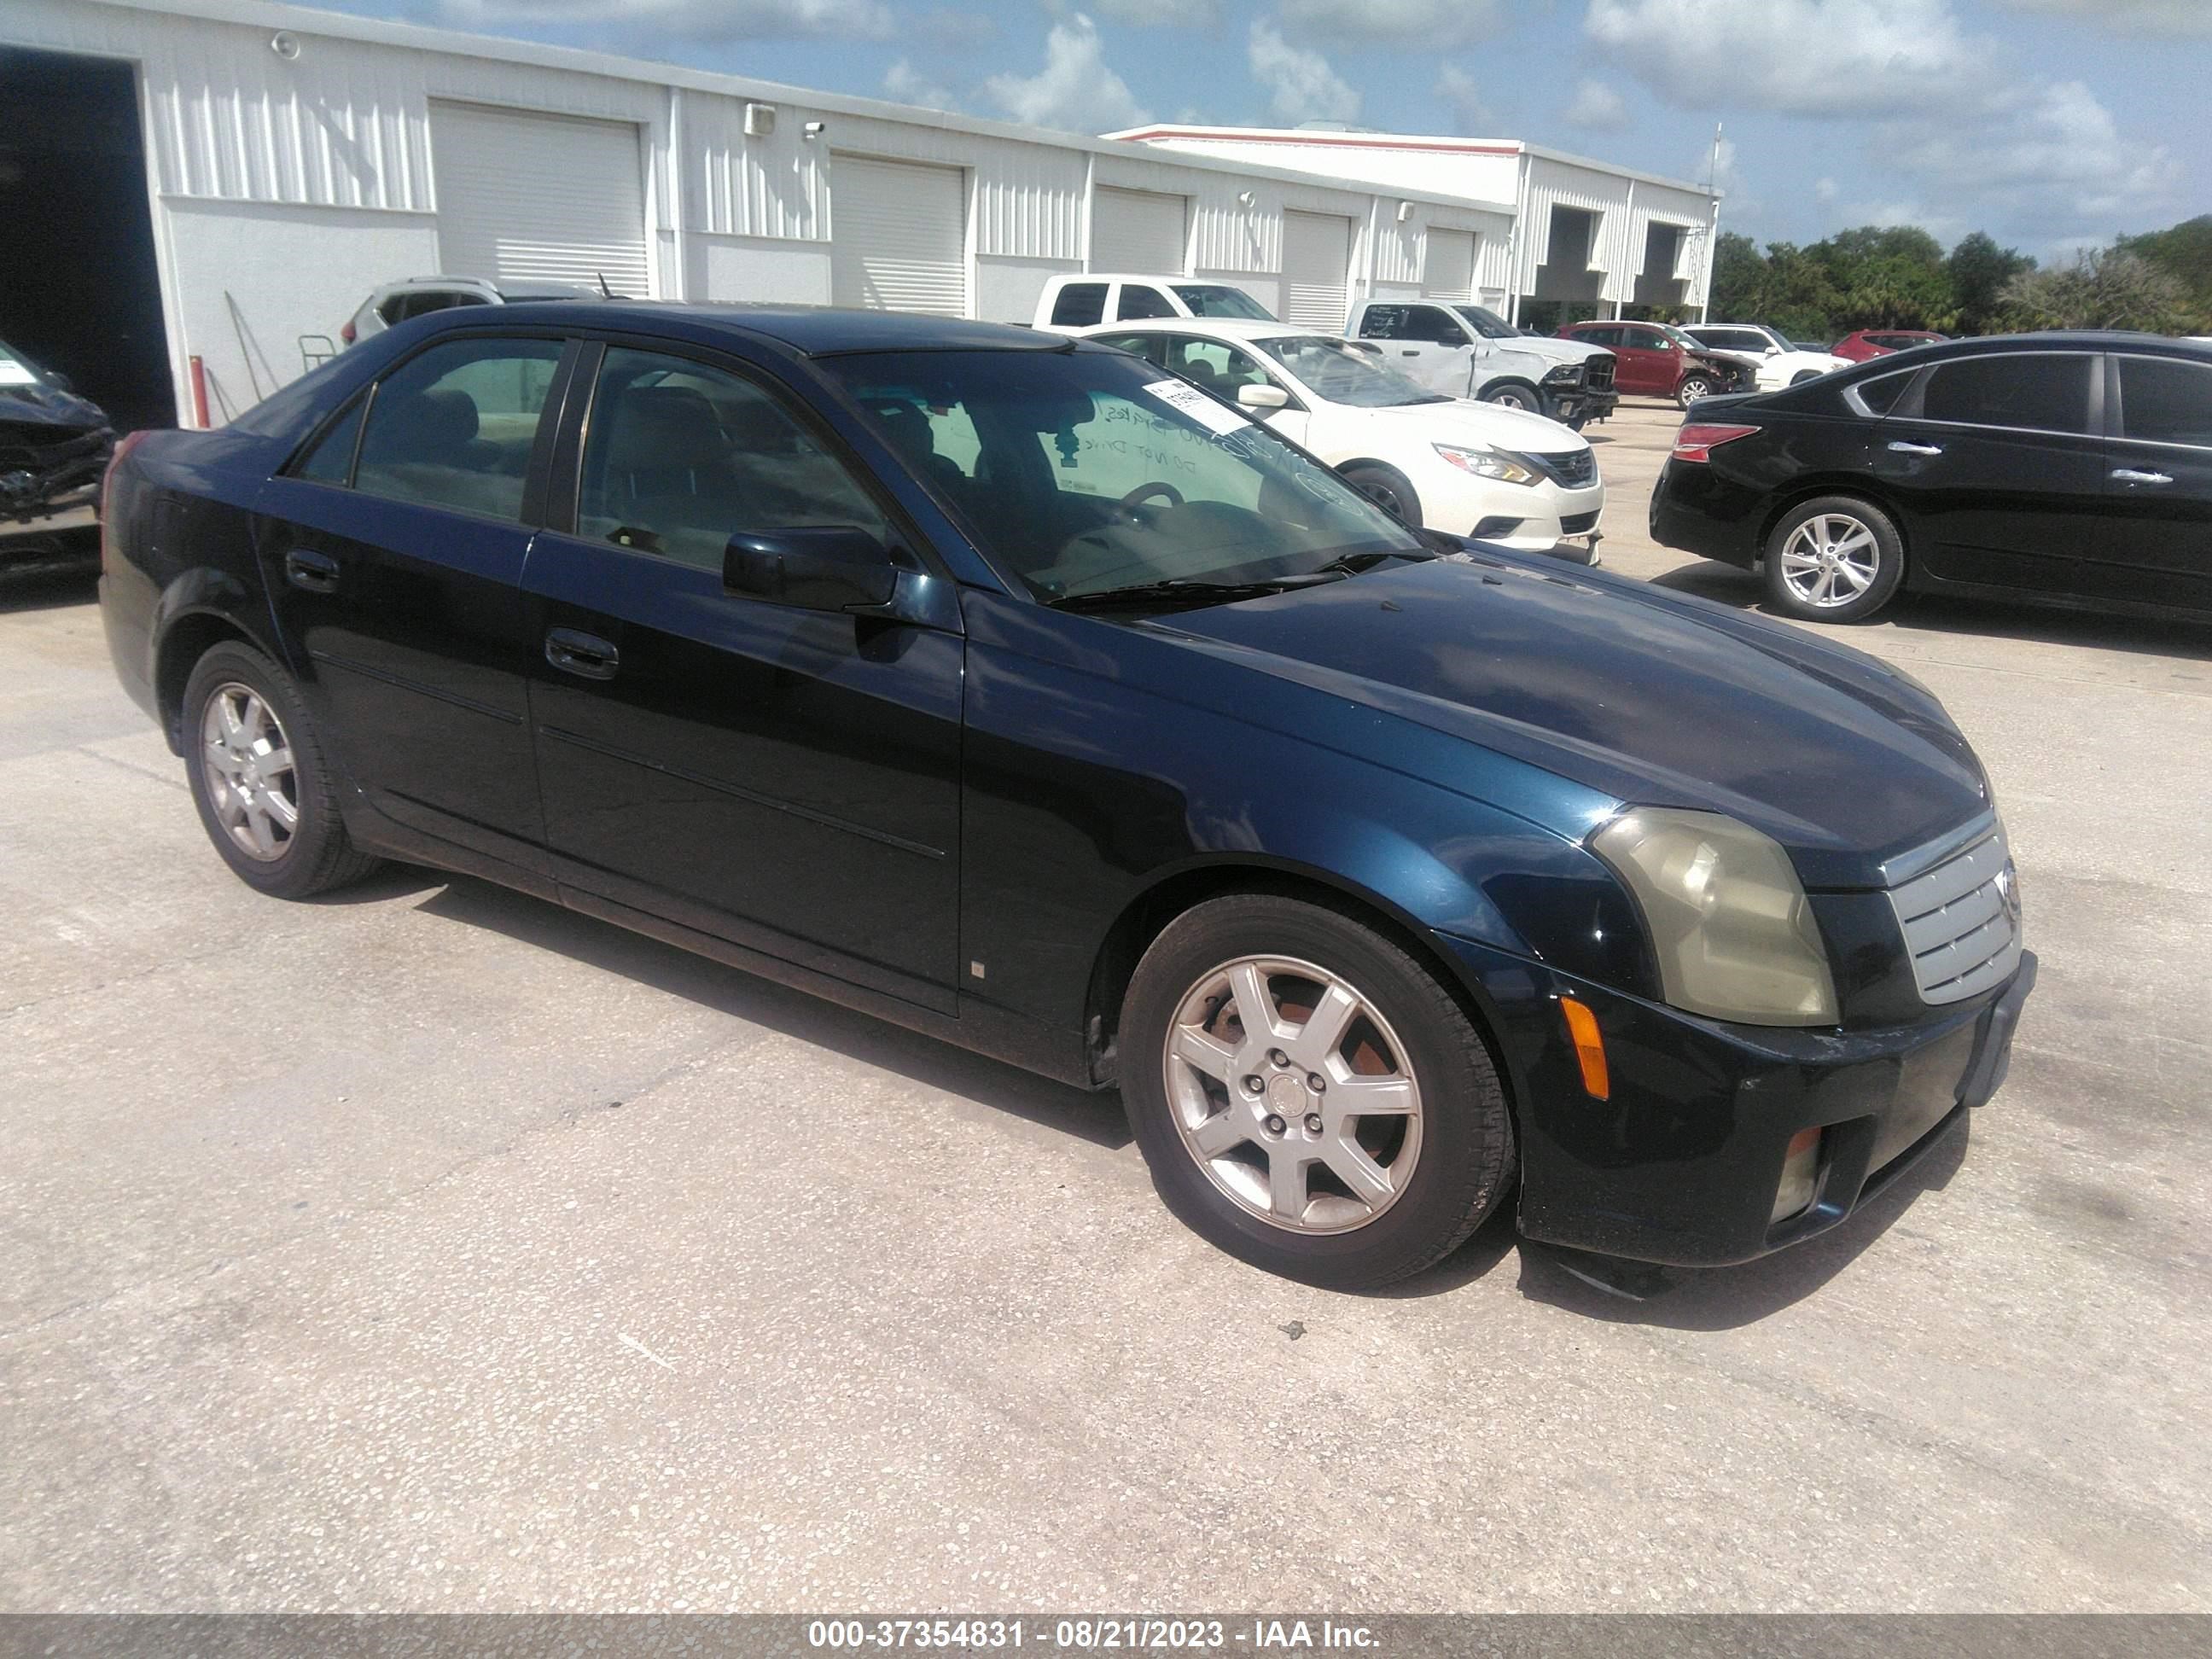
point(1576, 470)
point(1960, 916)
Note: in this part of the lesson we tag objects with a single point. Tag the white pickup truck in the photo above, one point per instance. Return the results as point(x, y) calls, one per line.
point(1466, 351)
point(1100, 297)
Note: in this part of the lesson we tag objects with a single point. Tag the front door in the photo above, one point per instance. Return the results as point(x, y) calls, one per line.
point(1425, 344)
point(1996, 462)
point(785, 779)
point(1651, 363)
point(1222, 369)
point(392, 551)
point(2155, 546)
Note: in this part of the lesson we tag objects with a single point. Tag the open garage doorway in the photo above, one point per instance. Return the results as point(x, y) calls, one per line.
point(80, 292)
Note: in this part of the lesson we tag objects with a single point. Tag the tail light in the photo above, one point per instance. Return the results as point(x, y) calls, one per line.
point(346, 332)
point(1697, 440)
point(116, 457)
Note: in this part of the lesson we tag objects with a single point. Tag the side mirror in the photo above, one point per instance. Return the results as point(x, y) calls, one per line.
point(1774, 351)
point(824, 568)
point(1255, 395)
point(61, 383)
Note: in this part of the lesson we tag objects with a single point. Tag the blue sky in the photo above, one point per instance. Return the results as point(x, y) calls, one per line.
point(2047, 123)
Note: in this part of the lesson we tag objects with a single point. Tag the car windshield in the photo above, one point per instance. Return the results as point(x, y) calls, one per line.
point(1340, 374)
point(1082, 472)
point(16, 369)
point(1677, 336)
point(1219, 300)
point(1488, 324)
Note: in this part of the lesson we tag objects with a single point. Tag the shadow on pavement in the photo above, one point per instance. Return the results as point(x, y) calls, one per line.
point(1095, 1117)
point(1943, 614)
point(47, 581)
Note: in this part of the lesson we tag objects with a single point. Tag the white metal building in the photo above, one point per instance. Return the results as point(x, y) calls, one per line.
point(1584, 233)
point(290, 160)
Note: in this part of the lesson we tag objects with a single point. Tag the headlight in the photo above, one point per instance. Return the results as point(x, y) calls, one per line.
point(1564, 374)
point(1489, 463)
point(1728, 917)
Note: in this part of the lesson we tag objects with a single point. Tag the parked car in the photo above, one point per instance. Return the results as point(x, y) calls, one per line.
point(1657, 361)
point(1773, 361)
point(1389, 881)
point(1499, 475)
point(418, 296)
point(1071, 302)
point(54, 446)
point(2075, 468)
point(1868, 343)
point(1467, 352)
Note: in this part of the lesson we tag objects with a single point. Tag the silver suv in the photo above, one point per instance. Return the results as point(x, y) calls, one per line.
point(395, 302)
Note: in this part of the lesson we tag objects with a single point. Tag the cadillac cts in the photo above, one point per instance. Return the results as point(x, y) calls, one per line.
point(1004, 686)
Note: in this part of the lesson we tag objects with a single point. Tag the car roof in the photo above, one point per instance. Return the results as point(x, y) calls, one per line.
point(2055, 339)
point(1140, 277)
point(811, 331)
point(1227, 328)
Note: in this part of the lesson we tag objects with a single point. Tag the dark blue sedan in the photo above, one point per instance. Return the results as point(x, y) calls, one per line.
point(1004, 687)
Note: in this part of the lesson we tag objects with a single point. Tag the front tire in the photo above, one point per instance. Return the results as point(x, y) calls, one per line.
point(1377, 1137)
point(1388, 488)
point(265, 794)
point(1512, 394)
point(1833, 559)
point(1694, 386)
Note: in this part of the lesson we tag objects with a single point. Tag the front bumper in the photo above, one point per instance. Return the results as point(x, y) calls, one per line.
point(38, 481)
point(1533, 520)
point(1680, 1165)
point(1569, 405)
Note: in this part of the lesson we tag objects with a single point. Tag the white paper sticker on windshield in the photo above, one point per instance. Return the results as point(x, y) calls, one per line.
point(1209, 414)
point(13, 373)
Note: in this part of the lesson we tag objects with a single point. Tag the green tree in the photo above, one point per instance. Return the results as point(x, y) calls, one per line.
point(2104, 287)
point(2184, 253)
point(1978, 269)
point(1739, 286)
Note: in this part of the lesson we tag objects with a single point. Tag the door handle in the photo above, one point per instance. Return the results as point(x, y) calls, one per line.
point(1898, 447)
point(2129, 475)
point(317, 572)
point(586, 654)
point(1409, 351)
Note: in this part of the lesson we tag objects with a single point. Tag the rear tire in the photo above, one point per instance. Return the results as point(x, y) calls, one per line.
point(1388, 488)
point(1833, 559)
point(1410, 1109)
point(265, 793)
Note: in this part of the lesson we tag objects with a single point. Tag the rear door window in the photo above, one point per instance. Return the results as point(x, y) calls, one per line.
point(1080, 305)
point(454, 426)
point(2164, 400)
point(2032, 391)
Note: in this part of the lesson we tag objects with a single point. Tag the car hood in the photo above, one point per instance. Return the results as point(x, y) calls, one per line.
point(1468, 421)
point(1651, 697)
point(42, 406)
point(1555, 350)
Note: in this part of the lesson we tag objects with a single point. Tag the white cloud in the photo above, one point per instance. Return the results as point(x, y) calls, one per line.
point(1163, 14)
point(708, 20)
point(1457, 92)
point(1824, 192)
point(2047, 157)
point(909, 85)
point(1301, 85)
point(1075, 91)
point(1421, 23)
point(1828, 57)
point(1596, 107)
point(2129, 17)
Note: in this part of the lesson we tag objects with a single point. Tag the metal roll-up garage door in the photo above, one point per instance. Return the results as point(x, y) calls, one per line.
point(1137, 230)
point(538, 198)
point(1448, 269)
point(898, 236)
point(1316, 253)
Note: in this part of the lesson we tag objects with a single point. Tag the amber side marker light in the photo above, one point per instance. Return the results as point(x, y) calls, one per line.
point(1589, 1048)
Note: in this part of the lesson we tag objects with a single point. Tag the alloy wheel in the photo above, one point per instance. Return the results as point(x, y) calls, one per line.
point(1293, 1094)
point(1830, 559)
point(247, 762)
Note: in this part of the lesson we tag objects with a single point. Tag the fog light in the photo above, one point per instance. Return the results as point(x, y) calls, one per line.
point(1801, 1175)
point(1497, 524)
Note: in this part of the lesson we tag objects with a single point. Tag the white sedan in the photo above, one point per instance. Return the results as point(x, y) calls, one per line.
point(1451, 464)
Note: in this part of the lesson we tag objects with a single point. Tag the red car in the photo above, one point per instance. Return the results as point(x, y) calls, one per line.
point(1656, 361)
point(1870, 342)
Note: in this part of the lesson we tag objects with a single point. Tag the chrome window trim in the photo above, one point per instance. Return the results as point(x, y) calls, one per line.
point(1858, 404)
point(2155, 443)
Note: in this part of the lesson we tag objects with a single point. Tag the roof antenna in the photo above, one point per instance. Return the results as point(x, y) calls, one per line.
point(605, 293)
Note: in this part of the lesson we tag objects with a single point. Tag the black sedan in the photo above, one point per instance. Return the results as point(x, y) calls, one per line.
point(996, 684)
point(53, 448)
point(2069, 469)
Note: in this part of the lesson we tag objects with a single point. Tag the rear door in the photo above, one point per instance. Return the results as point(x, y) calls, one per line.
point(393, 552)
point(1998, 463)
point(785, 779)
point(2155, 545)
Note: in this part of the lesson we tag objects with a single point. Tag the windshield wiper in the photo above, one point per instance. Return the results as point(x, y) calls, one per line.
point(1192, 590)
